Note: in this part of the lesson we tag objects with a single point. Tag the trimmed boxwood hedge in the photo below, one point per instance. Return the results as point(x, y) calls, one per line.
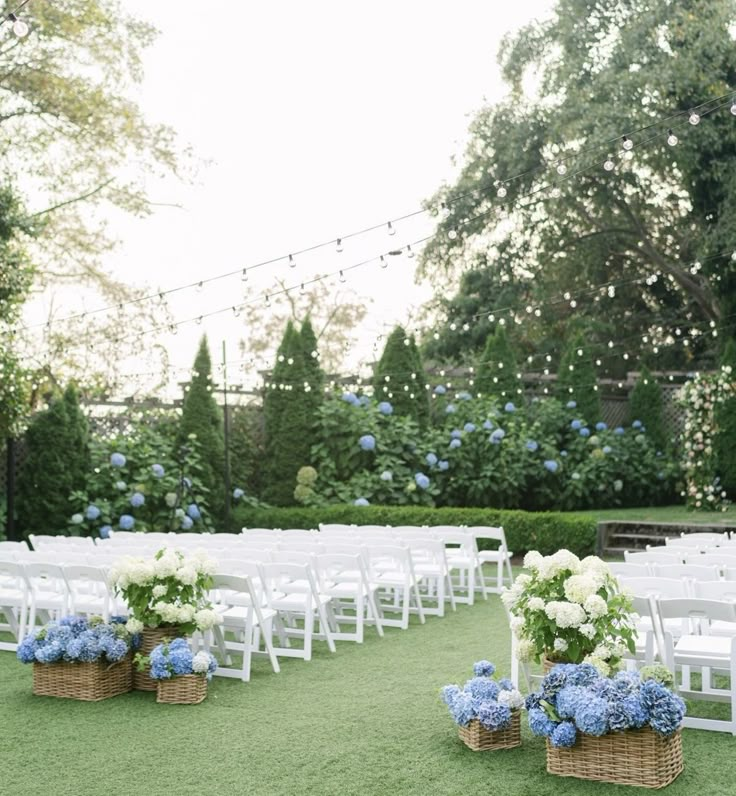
point(525, 530)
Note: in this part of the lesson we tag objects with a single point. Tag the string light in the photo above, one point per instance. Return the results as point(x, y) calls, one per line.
point(609, 165)
point(292, 261)
point(244, 275)
point(562, 169)
point(342, 276)
point(627, 143)
point(733, 108)
point(672, 139)
point(409, 252)
point(390, 228)
point(501, 192)
point(694, 118)
point(338, 245)
point(383, 262)
point(236, 311)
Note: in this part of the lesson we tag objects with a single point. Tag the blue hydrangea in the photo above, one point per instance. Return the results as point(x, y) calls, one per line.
point(564, 734)
point(600, 426)
point(483, 669)
point(367, 442)
point(76, 624)
point(126, 522)
point(591, 717)
point(387, 475)
point(532, 445)
point(440, 389)
point(456, 433)
point(505, 684)
point(576, 425)
point(584, 674)
point(350, 398)
point(385, 408)
point(636, 424)
point(554, 681)
point(607, 449)
point(563, 454)
point(187, 523)
point(186, 482)
point(626, 682)
point(463, 395)
point(450, 409)
point(482, 689)
point(361, 501)
point(540, 723)
point(137, 499)
point(584, 431)
point(604, 688)
point(532, 701)
point(364, 400)
point(497, 435)
point(469, 428)
point(431, 459)
point(494, 716)
point(449, 693)
point(238, 493)
point(105, 531)
point(26, 652)
point(568, 700)
point(193, 511)
point(571, 404)
point(92, 512)
point(487, 425)
point(509, 407)
point(117, 460)
point(157, 470)
point(421, 480)
point(455, 443)
point(551, 465)
point(635, 710)
point(666, 710)
point(619, 430)
point(443, 464)
point(461, 709)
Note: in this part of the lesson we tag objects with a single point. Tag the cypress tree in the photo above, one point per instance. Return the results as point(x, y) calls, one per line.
point(203, 417)
point(56, 464)
point(314, 375)
point(392, 379)
point(725, 444)
point(496, 369)
point(645, 404)
point(288, 419)
point(577, 378)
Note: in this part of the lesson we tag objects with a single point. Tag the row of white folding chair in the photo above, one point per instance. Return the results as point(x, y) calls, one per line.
point(699, 538)
point(46, 543)
point(673, 555)
point(14, 547)
point(704, 572)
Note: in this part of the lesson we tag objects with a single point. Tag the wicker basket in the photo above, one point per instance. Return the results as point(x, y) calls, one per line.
point(634, 757)
point(152, 637)
point(184, 689)
point(89, 682)
point(476, 737)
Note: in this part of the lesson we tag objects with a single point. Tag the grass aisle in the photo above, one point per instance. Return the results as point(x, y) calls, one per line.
point(364, 721)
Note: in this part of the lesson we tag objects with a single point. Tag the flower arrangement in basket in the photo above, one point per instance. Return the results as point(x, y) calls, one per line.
point(624, 729)
point(167, 597)
point(486, 711)
point(570, 611)
point(181, 675)
point(78, 658)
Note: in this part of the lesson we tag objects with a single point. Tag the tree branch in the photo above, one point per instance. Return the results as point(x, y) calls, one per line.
point(76, 199)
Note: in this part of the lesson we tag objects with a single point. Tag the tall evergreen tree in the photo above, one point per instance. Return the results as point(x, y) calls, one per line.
point(310, 354)
point(496, 370)
point(577, 378)
point(725, 444)
point(645, 404)
point(56, 464)
point(288, 418)
point(203, 417)
point(392, 377)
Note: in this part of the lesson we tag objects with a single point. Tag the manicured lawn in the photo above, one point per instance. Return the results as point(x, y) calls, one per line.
point(364, 721)
point(678, 514)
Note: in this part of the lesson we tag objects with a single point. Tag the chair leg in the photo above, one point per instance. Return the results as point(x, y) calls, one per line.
point(450, 590)
point(360, 608)
point(405, 608)
point(325, 626)
point(247, 645)
point(440, 595)
point(471, 585)
point(376, 616)
point(309, 618)
point(418, 600)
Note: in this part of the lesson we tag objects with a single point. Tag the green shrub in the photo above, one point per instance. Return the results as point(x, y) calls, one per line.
point(543, 531)
point(577, 379)
point(496, 369)
point(645, 404)
point(725, 443)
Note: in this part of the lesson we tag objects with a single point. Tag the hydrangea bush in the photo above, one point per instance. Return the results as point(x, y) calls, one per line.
point(80, 640)
point(478, 452)
point(482, 698)
point(170, 589)
point(570, 610)
point(701, 397)
point(577, 698)
point(173, 658)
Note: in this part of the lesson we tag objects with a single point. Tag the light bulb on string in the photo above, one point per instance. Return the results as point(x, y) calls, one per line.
point(338, 245)
point(672, 139)
point(390, 228)
point(383, 263)
point(200, 285)
point(561, 169)
point(694, 118)
point(501, 192)
point(20, 28)
point(608, 164)
point(244, 275)
point(301, 287)
point(268, 300)
point(236, 311)
point(342, 276)
point(292, 261)
point(627, 143)
point(409, 251)
point(452, 234)
point(733, 108)
point(556, 192)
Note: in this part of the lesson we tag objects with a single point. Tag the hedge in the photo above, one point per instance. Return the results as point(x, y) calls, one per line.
point(525, 530)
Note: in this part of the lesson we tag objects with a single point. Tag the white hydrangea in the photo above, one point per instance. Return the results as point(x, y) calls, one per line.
point(167, 565)
point(536, 604)
point(602, 651)
point(565, 614)
point(512, 699)
point(159, 591)
point(187, 575)
point(595, 606)
point(516, 624)
point(202, 562)
point(525, 650)
point(603, 668)
point(201, 662)
point(592, 565)
point(587, 630)
point(207, 618)
point(578, 588)
point(134, 626)
point(169, 612)
point(185, 614)
point(567, 560)
point(509, 598)
point(560, 645)
point(533, 559)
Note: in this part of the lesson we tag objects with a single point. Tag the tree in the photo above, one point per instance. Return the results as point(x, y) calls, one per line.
point(639, 246)
point(334, 315)
point(577, 379)
point(725, 444)
point(496, 370)
point(398, 377)
point(288, 420)
point(55, 465)
point(203, 417)
point(645, 404)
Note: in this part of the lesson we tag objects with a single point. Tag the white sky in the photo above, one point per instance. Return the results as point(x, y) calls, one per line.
point(316, 119)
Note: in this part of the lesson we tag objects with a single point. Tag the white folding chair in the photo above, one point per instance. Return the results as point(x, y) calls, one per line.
point(720, 559)
point(702, 650)
point(647, 557)
point(630, 570)
point(48, 592)
point(241, 607)
point(345, 580)
point(13, 602)
point(89, 592)
point(392, 571)
point(13, 547)
point(292, 590)
point(699, 538)
point(462, 555)
point(39, 540)
point(501, 556)
point(430, 562)
point(693, 572)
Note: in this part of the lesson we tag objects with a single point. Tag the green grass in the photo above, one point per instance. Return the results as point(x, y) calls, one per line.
point(366, 720)
point(678, 514)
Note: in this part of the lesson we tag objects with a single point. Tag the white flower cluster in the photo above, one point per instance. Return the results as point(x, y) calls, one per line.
point(133, 626)
point(564, 614)
point(201, 662)
point(512, 699)
point(172, 564)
